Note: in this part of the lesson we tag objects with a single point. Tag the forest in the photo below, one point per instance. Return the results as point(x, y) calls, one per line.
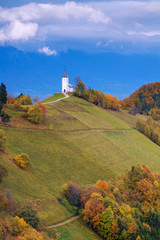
point(97, 97)
point(127, 207)
point(146, 99)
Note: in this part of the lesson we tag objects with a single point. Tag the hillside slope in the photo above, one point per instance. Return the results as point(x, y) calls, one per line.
point(145, 98)
point(81, 143)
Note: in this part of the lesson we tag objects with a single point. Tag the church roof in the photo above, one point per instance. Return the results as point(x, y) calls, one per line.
point(65, 74)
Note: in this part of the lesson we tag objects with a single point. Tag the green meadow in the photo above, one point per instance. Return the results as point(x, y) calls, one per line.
point(79, 142)
point(54, 97)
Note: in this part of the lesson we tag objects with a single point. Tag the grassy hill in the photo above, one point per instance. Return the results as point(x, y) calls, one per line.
point(145, 98)
point(77, 142)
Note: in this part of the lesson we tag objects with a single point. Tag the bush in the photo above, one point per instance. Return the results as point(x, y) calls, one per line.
point(22, 160)
point(72, 193)
point(5, 117)
point(35, 114)
point(28, 214)
point(3, 140)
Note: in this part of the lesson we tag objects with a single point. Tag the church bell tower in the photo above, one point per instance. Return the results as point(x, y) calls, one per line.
point(65, 82)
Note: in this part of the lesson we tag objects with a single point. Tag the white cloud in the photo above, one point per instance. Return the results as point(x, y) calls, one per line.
point(47, 51)
point(122, 21)
point(18, 31)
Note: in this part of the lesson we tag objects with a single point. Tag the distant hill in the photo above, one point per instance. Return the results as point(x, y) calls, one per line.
point(145, 98)
point(77, 142)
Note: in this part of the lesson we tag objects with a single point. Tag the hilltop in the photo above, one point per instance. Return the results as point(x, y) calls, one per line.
point(145, 98)
point(77, 142)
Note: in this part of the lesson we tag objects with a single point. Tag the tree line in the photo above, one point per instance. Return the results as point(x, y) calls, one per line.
point(96, 97)
point(150, 129)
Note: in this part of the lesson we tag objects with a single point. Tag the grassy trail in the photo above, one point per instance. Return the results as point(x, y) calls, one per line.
point(60, 224)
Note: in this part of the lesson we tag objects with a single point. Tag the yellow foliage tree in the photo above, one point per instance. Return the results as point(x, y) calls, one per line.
point(35, 113)
point(22, 160)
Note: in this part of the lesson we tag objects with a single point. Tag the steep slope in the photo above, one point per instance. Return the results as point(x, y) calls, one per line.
point(81, 143)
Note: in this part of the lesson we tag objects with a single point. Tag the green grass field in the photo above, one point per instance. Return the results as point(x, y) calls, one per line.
point(56, 96)
point(86, 144)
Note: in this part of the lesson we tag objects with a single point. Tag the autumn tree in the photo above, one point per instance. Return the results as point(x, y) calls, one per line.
point(85, 194)
point(92, 212)
point(35, 114)
point(102, 185)
point(44, 109)
point(80, 89)
point(72, 193)
point(22, 160)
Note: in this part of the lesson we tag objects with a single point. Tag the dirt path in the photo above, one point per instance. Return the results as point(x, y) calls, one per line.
point(69, 220)
point(69, 131)
point(50, 103)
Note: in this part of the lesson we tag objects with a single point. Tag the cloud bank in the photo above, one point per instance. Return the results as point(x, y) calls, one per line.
point(103, 25)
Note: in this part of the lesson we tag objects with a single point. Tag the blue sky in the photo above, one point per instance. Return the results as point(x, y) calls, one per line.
point(114, 46)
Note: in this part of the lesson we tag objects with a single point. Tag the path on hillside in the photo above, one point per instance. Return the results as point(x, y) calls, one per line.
point(70, 130)
point(69, 220)
point(66, 96)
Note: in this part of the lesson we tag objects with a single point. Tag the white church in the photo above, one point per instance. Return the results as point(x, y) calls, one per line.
point(66, 86)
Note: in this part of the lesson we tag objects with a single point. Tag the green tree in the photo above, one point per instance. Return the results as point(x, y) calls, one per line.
point(107, 218)
point(3, 94)
point(80, 88)
point(27, 212)
point(35, 114)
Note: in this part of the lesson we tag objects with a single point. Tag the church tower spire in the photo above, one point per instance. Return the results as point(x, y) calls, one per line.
point(65, 81)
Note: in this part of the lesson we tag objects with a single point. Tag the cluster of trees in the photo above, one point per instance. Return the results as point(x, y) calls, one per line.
point(144, 99)
point(126, 208)
point(21, 100)
point(96, 97)
point(149, 128)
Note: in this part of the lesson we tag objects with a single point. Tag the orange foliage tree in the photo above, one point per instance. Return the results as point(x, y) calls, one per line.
point(92, 212)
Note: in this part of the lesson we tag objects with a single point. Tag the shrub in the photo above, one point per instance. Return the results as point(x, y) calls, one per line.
point(22, 160)
point(72, 193)
point(35, 114)
point(3, 140)
point(27, 212)
point(5, 117)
